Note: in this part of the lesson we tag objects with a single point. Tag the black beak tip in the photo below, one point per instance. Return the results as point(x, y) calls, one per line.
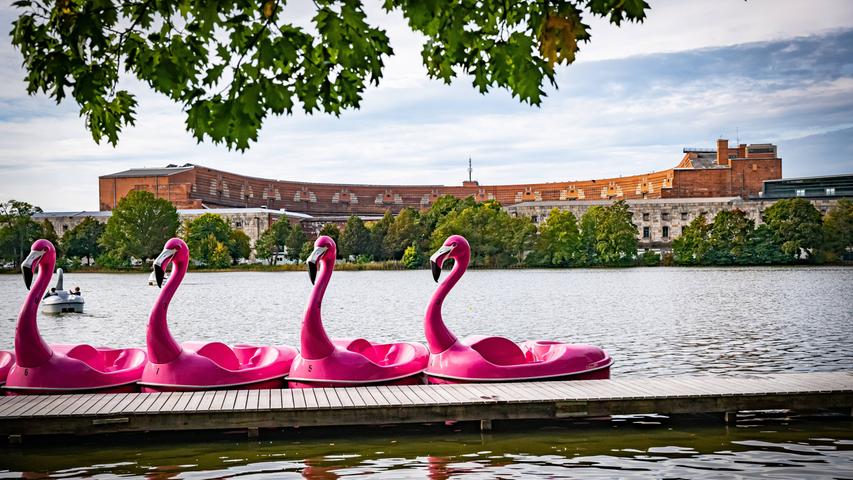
point(28, 276)
point(436, 270)
point(312, 271)
point(159, 274)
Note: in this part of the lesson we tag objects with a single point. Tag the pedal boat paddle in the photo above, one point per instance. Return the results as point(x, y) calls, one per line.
point(497, 359)
point(202, 365)
point(347, 362)
point(47, 369)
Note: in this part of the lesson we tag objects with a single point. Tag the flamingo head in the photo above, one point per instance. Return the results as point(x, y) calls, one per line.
point(174, 248)
point(454, 247)
point(324, 246)
point(31, 263)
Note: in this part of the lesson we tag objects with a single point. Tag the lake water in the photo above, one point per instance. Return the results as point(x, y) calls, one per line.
point(653, 321)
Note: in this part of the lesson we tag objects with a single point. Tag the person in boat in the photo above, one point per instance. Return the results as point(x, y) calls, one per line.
point(76, 291)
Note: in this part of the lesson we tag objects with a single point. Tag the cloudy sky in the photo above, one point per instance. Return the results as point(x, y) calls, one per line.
point(767, 70)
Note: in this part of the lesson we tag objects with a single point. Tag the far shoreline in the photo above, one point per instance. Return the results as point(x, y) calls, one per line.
point(392, 266)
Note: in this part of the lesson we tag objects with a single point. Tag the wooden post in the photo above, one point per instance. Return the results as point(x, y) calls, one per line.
point(485, 425)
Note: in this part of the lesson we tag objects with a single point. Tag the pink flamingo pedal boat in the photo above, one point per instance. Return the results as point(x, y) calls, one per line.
point(497, 359)
point(198, 365)
point(41, 368)
point(347, 362)
point(7, 359)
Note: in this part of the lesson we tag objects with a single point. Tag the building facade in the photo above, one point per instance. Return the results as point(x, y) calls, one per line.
point(252, 221)
point(721, 172)
point(660, 221)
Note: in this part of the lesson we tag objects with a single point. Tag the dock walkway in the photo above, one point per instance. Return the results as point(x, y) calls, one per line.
point(94, 414)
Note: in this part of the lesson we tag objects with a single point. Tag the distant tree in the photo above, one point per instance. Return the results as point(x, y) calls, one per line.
point(219, 256)
point(295, 242)
point(764, 249)
point(615, 236)
point(378, 231)
point(442, 207)
point(239, 245)
point(332, 230)
point(230, 65)
point(139, 226)
point(49, 233)
point(496, 238)
point(82, 240)
point(204, 235)
point(729, 238)
point(693, 244)
point(838, 228)
point(355, 239)
point(18, 231)
point(406, 230)
point(307, 248)
point(411, 257)
point(273, 241)
point(587, 254)
point(797, 225)
point(559, 239)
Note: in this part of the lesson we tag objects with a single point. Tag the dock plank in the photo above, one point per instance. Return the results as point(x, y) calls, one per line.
point(229, 400)
point(264, 400)
point(96, 414)
point(287, 398)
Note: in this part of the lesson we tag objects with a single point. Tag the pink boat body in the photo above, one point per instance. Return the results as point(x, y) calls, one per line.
point(41, 368)
point(323, 362)
point(203, 365)
point(7, 359)
point(497, 359)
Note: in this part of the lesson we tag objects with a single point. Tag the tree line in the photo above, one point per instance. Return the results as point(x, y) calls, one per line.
point(793, 231)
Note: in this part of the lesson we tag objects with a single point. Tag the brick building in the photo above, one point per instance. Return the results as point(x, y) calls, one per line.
point(722, 172)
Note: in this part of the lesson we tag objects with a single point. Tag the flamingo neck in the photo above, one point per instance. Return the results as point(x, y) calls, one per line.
point(314, 341)
point(439, 337)
point(162, 347)
point(30, 348)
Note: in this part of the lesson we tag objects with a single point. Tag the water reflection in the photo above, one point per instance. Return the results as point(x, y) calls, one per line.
point(631, 448)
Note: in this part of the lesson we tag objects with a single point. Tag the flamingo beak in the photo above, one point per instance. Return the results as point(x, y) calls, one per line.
point(312, 260)
point(160, 264)
point(28, 264)
point(437, 260)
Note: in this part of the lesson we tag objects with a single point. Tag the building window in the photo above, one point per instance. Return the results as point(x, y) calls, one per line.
point(665, 232)
point(238, 224)
point(646, 232)
point(684, 215)
point(830, 191)
point(645, 217)
point(664, 216)
point(800, 192)
point(64, 228)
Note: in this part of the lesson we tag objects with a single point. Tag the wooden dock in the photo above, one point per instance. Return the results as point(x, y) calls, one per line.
point(94, 414)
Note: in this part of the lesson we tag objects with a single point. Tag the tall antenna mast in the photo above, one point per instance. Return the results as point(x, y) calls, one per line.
point(737, 133)
point(469, 169)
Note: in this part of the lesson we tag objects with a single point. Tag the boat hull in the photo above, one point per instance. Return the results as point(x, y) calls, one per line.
point(416, 379)
point(15, 391)
point(598, 374)
point(64, 307)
